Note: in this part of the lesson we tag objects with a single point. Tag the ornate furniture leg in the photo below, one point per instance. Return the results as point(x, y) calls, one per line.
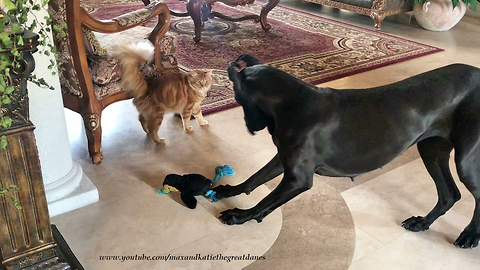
point(377, 17)
point(263, 14)
point(94, 136)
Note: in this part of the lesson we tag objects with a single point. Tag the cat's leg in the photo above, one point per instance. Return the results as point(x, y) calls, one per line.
point(186, 115)
point(153, 124)
point(197, 113)
point(143, 121)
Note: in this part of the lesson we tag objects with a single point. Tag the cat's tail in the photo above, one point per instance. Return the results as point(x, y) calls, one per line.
point(131, 56)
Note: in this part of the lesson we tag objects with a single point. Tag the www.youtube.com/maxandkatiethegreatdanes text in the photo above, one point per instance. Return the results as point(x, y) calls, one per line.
point(196, 257)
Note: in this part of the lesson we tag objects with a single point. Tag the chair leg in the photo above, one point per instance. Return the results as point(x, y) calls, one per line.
point(94, 136)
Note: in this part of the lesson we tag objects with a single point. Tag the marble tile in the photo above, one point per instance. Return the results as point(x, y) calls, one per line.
point(364, 244)
point(317, 233)
point(380, 205)
point(426, 250)
point(113, 229)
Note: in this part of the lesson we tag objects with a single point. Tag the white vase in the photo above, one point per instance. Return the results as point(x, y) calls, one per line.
point(438, 15)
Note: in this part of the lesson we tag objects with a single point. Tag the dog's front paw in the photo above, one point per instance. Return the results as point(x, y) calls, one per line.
point(225, 191)
point(415, 224)
point(188, 129)
point(235, 216)
point(468, 239)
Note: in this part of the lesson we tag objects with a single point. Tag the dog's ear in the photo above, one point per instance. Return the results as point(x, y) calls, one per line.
point(255, 118)
point(249, 60)
point(235, 71)
point(240, 68)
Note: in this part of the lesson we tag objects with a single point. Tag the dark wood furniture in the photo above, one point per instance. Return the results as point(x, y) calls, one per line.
point(26, 237)
point(79, 92)
point(201, 10)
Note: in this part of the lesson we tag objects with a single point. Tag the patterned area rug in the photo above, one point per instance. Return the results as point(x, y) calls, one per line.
point(309, 47)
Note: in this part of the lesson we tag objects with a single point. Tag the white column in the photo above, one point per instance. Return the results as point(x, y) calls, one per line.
point(66, 186)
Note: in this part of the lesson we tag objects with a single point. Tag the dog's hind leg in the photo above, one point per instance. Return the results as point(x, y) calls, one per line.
point(271, 170)
point(467, 159)
point(435, 153)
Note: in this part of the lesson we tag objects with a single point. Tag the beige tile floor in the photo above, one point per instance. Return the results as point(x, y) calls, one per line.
point(335, 225)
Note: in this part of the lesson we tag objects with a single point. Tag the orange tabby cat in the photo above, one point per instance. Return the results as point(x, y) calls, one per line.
point(169, 93)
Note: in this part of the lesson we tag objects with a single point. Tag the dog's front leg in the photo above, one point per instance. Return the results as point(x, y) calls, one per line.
point(297, 178)
point(271, 170)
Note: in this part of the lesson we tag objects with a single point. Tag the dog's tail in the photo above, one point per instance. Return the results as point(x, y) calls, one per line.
point(131, 56)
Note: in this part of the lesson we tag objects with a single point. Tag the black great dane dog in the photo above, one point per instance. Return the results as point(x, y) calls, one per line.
point(344, 133)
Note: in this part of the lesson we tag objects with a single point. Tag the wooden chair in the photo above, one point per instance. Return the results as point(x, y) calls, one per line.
point(89, 77)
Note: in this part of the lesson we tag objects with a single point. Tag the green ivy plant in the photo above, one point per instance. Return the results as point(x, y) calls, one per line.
point(15, 17)
point(12, 193)
point(472, 3)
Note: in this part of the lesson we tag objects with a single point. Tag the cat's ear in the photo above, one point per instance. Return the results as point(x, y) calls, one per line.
point(194, 74)
point(209, 72)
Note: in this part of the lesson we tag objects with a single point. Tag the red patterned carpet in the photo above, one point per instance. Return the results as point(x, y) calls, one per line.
point(309, 47)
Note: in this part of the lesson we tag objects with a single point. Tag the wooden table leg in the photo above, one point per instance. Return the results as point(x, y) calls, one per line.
point(263, 14)
point(193, 9)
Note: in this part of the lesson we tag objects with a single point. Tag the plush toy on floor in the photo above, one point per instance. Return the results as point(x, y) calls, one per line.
point(191, 185)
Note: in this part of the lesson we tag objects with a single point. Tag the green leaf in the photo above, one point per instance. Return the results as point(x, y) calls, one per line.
point(16, 27)
point(14, 187)
point(455, 3)
point(6, 122)
point(3, 191)
point(2, 81)
point(33, 25)
point(9, 5)
point(10, 89)
point(18, 206)
point(20, 41)
point(473, 3)
point(6, 100)
point(4, 37)
point(3, 142)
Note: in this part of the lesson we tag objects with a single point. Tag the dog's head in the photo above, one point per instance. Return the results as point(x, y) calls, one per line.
point(238, 72)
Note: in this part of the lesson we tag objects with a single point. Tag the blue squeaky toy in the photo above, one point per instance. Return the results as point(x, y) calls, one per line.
point(191, 185)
